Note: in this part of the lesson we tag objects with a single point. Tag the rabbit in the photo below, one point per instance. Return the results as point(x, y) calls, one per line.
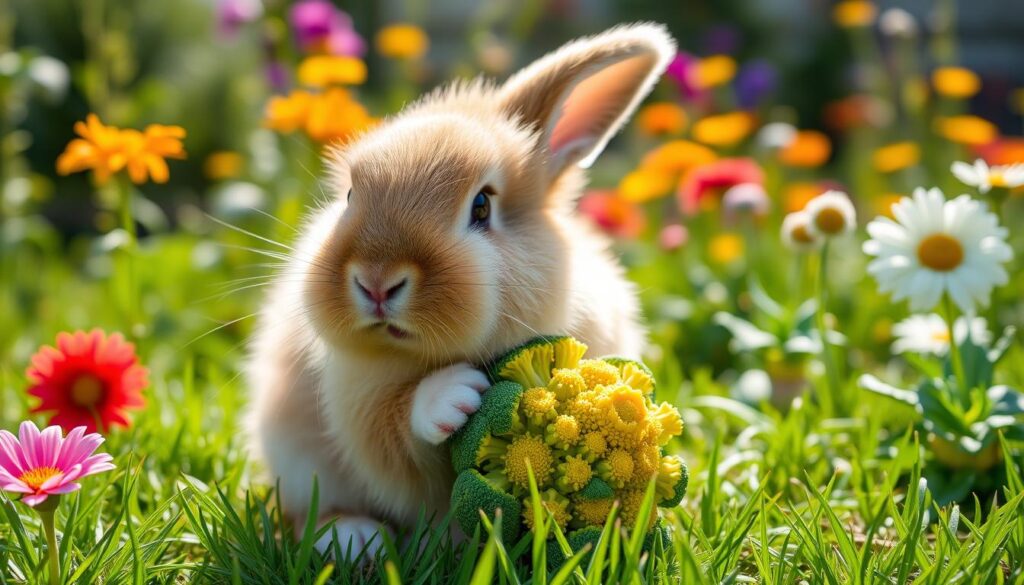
point(449, 238)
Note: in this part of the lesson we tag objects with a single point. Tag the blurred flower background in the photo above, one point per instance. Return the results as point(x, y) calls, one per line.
point(802, 169)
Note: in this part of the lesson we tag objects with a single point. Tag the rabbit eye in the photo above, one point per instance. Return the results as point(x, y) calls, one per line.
point(480, 213)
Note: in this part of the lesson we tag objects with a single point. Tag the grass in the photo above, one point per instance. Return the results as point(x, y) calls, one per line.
point(775, 497)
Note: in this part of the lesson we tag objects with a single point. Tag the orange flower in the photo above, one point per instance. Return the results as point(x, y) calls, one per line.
point(331, 116)
point(967, 129)
point(325, 70)
point(854, 13)
point(724, 129)
point(956, 82)
point(335, 117)
point(678, 156)
point(713, 71)
point(809, 148)
point(88, 379)
point(402, 41)
point(1003, 151)
point(895, 157)
point(223, 164)
point(883, 203)
point(796, 195)
point(644, 185)
point(288, 113)
point(855, 111)
point(661, 118)
point(107, 150)
point(613, 214)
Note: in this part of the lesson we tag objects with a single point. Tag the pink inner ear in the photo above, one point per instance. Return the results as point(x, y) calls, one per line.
point(595, 104)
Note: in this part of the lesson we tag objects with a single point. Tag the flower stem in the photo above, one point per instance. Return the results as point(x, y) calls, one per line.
point(124, 203)
point(954, 350)
point(831, 375)
point(46, 514)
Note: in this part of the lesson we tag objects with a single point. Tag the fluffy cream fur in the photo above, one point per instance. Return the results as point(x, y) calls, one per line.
point(334, 393)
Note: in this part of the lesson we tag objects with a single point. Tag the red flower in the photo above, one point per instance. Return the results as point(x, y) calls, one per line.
point(88, 379)
point(613, 214)
point(717, 176)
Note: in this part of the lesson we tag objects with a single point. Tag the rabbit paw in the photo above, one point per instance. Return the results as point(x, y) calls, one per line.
point(444, 400)
point(355, 535)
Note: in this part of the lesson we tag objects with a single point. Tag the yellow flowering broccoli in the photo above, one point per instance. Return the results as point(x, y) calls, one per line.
point(588, 428)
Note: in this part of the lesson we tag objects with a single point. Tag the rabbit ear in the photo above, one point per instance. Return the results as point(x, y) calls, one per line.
point(579, 96)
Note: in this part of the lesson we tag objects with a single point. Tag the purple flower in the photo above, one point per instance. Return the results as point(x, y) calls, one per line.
point(233, 14)
point(679, 72)
point(277, 76)
point(320, 27)
point(755, 81)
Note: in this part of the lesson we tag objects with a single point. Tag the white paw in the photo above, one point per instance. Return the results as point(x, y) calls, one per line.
point(355, 534)
point(444, 400)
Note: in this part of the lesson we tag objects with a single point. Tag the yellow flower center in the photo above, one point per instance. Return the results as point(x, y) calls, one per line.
point(830, 220)
point(528, 448)
point(36, 477)
point(577, 472)
point(595, 443)
point(621, 465)
point(941, 336)
point(996, 178)
point(567, 429)
point(629, 406)
point(598, 372)
point(566, 384)
point(940, 252)
point(538, 402)
point(86, 391)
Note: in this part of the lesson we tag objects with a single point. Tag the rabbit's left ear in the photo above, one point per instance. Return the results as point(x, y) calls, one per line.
point(578, 97)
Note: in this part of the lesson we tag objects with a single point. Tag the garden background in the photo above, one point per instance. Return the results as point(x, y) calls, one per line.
point(800, 466)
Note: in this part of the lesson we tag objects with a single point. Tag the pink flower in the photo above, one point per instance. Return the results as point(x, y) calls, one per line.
point(673, 236)
point(46, 464)
point(713, 178)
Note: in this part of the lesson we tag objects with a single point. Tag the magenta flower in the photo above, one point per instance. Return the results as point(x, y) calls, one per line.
point(44, 464)
point(320, 27)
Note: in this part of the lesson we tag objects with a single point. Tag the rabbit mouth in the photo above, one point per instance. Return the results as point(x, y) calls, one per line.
point(397, 332)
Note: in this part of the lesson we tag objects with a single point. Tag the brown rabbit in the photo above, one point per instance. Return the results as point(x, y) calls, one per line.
point(450, 238)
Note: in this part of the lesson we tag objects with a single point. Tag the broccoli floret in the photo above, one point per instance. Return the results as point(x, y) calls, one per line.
point(526, 353)
point(496, 416)
point(472, 493)
point(622, 363)
point(577, 539)
point(676, 488)
point(596, 489)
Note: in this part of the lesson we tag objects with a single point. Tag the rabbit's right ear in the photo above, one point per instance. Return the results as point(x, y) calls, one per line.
point(578, 97)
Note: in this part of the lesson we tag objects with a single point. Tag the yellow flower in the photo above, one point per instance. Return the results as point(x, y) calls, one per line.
point(644, 185)
point(809, 148)
point(956, 82)
point(538, 405)
point(854, 13)
point(223, 164)
point(661, 118)
point(574, 474)
point(724, 129)
point(553, 502)
point(591, 512)
point(288, 113)
point(623, 412)
point(566, 383)
point(897, 156)
point(563, 433)
point(713, 71)
point(617, 468)
point(677, 156)
point(402, 41)
point(967, 129)
point(725, 248)
point(533, 449)
point(325, 70)
point(334, 116)
point(107, 150)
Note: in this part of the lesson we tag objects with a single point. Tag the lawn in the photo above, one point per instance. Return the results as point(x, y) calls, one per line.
point(830, 287)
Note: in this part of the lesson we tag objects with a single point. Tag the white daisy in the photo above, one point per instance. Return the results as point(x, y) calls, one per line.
point(984, 177)
point(796, 234)
point(937, 247)
point(831, 214)
point(930, 334)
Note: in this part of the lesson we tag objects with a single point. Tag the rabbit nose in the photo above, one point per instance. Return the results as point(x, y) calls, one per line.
point(378, 293)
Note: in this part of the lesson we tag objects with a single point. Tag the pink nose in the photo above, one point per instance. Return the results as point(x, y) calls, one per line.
point(378, 292)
